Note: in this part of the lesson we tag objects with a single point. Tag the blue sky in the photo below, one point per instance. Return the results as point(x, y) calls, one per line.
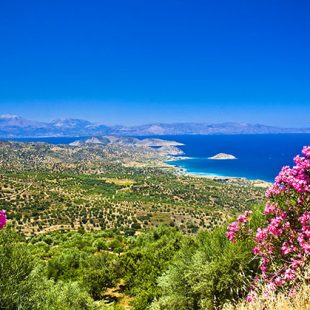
point(134, 62)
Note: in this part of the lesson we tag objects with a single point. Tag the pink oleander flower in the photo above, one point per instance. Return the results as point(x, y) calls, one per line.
point(304, 243)
point(235, 227)
point(305, 223)
point(279, 281)
point(251, 297)
point(261, 234)
point(287, 248)
point(232, 230)
point(256, 250)
point(2, 219)
point(296, 263)
point(306, 151)
point(242, 218)
point(289, 274)
point(270, 208)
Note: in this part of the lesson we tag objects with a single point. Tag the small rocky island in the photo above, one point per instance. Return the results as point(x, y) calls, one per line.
point(222, 156)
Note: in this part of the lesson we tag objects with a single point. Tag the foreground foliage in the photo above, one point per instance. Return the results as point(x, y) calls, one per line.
point(282, 242)
point(42, 272)
point(24, 285)
point(207, 272)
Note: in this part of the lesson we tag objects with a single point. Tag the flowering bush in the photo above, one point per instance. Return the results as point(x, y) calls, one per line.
point(237, 229)
point(283, 241)
point(2, 219)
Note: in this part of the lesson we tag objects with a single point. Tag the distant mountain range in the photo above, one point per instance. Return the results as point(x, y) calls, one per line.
point(13, 126)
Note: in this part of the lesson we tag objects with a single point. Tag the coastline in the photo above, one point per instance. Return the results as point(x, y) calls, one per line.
point(181, 171)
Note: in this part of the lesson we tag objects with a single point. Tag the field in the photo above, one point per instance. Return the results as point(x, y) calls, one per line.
point(40, 202)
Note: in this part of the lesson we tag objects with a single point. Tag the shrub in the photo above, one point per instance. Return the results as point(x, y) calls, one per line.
point(282, 242)
point(149, 255)
point(208, 271)
point(16, 265)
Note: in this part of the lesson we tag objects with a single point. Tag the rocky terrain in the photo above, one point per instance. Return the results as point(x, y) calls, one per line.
point(222, 156)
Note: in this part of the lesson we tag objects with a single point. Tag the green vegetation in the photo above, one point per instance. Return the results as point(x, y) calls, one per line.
point(93, 228)
point(209, 271)
point(23, 280)
point(103, 269)
point(41, 202)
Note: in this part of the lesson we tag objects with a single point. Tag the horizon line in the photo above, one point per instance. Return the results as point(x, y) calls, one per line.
point(11, 116)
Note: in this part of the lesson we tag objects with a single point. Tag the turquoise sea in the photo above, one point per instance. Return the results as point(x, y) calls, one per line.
point(258, 156)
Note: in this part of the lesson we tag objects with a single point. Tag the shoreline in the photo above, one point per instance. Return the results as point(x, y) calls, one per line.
point(181, 171)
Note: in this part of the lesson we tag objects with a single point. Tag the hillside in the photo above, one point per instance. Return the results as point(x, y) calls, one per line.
point(109, 226)
point(123, 186)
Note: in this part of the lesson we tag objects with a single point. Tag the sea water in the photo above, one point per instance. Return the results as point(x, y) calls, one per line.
point(258, 156)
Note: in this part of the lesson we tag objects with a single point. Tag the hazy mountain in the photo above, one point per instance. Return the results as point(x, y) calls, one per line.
point(207, 129)
point(16, 126)
point(70, 123)
point(8, 120)
point(13, 126)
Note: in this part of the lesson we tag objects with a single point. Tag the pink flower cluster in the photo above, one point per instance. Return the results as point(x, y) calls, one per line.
point(2, 219)
point(283, 243)
point(296, 178)
point(238, 226)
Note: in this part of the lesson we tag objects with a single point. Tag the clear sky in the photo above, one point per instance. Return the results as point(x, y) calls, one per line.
point(142, 61)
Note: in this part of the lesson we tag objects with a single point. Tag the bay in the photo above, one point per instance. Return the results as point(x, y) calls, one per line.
point(258, 156)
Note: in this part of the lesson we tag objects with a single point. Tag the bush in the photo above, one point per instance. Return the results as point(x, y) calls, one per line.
point(67, 265)
point(282, 242)
point(206, 273)
point(49, 295)
point(99, 275)
point(149, 255)
point(24, 285)
point(16, 265)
